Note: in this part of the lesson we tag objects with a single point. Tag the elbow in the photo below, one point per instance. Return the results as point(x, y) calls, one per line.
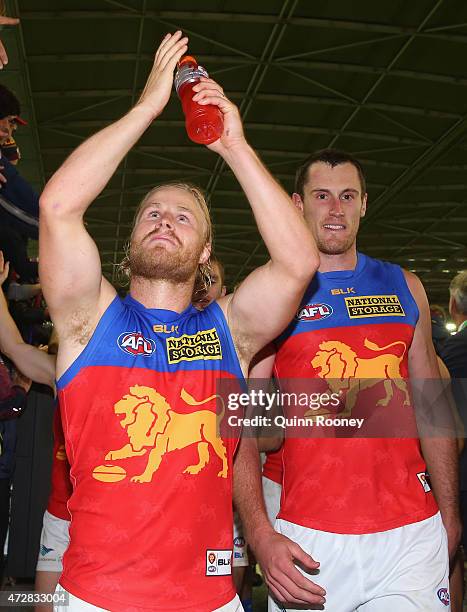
point(303, 267)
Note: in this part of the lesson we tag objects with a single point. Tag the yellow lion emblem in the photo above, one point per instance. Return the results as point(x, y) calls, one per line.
point(151, 424)
point(346, 372)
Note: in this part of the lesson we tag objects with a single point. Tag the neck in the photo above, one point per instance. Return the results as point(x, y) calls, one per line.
point(162, 293)
point(342, 261)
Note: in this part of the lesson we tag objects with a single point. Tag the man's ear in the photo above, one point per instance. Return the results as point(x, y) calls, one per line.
point(224, 291)
point(205, 253)
point(452, 307)
point(297, 200)
point(363, 208)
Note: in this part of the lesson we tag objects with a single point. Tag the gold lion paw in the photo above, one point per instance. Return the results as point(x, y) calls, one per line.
point(140, 478)
point(192, 469)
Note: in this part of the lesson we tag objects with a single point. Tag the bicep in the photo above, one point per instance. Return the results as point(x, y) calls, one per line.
point(262, 306)
point(70, 268)
point(422, 357)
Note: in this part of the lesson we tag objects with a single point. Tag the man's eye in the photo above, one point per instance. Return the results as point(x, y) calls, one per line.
point(182, 218)
point(154, 213)
point(321, 196)
point(347, 196)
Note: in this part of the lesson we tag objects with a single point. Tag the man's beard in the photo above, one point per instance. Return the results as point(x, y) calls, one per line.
point(335, 247)
point(156, 263)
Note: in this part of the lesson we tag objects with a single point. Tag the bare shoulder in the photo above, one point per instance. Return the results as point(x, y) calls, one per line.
point(415, 286)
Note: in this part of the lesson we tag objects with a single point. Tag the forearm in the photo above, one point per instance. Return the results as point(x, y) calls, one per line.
point(248, 494)
point(271, 206)
point(87, 171)
point(29, 360)
point(441, 458)
point(10, 338)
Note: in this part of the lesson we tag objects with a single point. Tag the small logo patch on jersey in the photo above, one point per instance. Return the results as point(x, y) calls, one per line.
point(190, 347)
point(218, 562)
point(314, 312)
point(443, 596)
point(342, 291)
point(374, 306)
point(134, 343)
point(423, 478)
point(165, 329)
point(239, 541)
point(45, 550)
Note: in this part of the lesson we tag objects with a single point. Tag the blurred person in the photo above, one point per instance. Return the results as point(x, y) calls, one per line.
point(203, 296)
point(383, 533)
point(154, 353)
point(40, 367)
point(34, 365)
point(454, 355)
point(439, 333)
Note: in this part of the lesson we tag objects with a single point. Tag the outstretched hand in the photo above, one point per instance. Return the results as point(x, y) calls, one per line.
point(3, 55)
point(277, 556)
point(4, 269)
point(158, 87)
point(210, 92)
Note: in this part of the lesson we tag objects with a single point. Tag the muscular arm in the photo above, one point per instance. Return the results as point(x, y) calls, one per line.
point(276, 553)
point(440, 453)
point(70, 269)
point(266, 300)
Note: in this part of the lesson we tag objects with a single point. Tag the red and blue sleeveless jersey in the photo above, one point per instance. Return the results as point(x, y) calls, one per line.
point(352, 334)
point(151, 508)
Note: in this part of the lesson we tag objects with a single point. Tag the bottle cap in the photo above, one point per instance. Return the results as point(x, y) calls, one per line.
point(187, 59)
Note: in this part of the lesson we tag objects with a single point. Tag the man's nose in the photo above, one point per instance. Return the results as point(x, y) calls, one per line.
point(166, 221)
point(337, 208)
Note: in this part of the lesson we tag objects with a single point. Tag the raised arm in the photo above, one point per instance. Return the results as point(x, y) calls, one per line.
point(70, 268)
point(440, 453)
point(31, 361)
point(266, 300)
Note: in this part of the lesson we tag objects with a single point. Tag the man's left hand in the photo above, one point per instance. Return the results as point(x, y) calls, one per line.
point(210, 92)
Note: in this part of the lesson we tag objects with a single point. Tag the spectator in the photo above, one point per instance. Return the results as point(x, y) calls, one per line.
point(439, 333)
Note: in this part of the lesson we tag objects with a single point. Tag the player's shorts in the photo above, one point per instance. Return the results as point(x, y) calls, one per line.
point(272, 498)
point(54, 542)
point(240, 554)
point(79, 605)
point(399, 570)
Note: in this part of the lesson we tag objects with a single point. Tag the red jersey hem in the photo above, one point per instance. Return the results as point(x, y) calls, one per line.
point(345, 529)
point(274, 477)
point(59, 510)
point(105, 602)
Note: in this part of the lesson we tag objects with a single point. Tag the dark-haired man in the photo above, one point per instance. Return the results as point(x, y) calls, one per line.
point(363, 505)
point(151, 508)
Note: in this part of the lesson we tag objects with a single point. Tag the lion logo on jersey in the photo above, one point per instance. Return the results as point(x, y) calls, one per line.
point(152, 425)
point(346, 372)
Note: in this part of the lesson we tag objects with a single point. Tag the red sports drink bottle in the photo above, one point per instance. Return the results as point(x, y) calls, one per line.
point(204, 123)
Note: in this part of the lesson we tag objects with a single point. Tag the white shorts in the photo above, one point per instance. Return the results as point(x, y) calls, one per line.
point(54, 542)
point(272, 498)
point(240, 553)
point(400, 570)
point(79, 605)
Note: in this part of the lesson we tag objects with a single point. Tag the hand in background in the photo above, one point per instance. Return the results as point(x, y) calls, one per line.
point(3, 54)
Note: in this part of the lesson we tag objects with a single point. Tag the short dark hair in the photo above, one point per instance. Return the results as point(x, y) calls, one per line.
point(9, 103)
point(333, 158)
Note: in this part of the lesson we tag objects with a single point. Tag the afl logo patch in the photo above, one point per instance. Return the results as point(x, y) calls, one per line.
point(314, 312)
point(443, 596)
point(134, 343)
